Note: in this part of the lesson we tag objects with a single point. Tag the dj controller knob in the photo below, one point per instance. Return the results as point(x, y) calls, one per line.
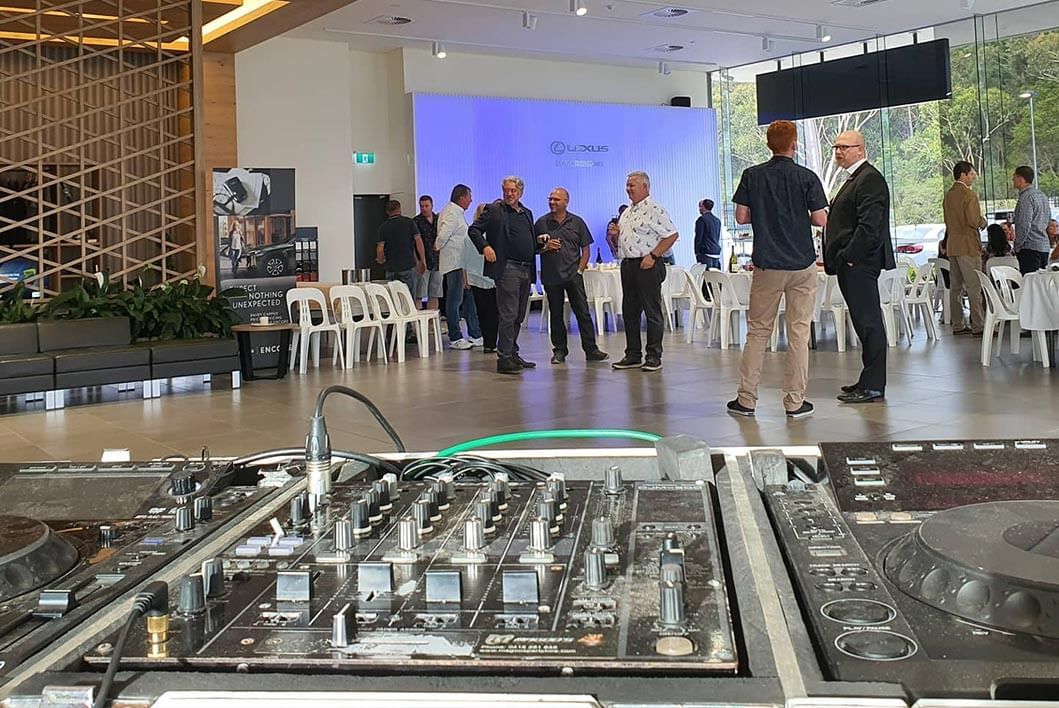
point(343, 535)
point(299, 509)
point(182, 485)
point(671, 573)
point(431, 497)
point(185, 519)
point(213, 577)
point(602, 533)
point(441, 492)
point(391, 483)
point(540, 534)
point(670, 603)
point(483, 511)
point(358, 518)
point(595, 568)
point(107, 535)
point(473, 534)
point(421, 514)
point(203, 508)
point(192, 595)
point(383, 490)
point(497, 504)
point(343, 627)
point(374, 512)
point(547, 508)
point(450, 486)
point(501, 491)
point(407, 535)
point(557, 488)
point(612, 483)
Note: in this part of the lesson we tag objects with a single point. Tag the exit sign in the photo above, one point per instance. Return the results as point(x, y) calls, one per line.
point(364, 158)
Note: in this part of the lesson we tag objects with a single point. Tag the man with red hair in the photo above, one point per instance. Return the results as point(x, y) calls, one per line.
point(782, 201)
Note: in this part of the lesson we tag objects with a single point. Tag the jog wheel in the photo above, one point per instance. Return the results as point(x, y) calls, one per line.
point(31, 555)
point(994, 564)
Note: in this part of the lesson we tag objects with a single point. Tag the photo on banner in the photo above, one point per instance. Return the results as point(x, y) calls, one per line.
point(588, 148)
point(257, 246)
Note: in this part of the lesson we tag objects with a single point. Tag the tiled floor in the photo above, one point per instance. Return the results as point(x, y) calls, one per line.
point(936, 391)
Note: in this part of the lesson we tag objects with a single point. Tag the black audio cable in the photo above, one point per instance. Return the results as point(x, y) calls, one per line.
point(318, 413)
point(153, 598)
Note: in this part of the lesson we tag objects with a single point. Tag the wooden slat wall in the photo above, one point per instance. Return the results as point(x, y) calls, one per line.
point(99, 141)
point(218, 137)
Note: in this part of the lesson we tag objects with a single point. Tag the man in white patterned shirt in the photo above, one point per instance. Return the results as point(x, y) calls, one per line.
point(645, 235)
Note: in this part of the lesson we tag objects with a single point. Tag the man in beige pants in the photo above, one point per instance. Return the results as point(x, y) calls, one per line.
point(783, 201)
point(963, 222)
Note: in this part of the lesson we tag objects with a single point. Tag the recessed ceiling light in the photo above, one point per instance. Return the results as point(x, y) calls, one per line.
point(668, 13)
point(391, 20)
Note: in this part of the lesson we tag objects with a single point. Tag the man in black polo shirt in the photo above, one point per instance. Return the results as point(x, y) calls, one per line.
point(564, 259)
point(429, 282)
point(400, 248)
point(504, 235)
point(783, 201)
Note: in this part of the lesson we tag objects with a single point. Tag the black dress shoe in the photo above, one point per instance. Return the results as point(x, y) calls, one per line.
point(508, 366)
point(851, 388)
point(523, 363)
point(558, 358)
point(488, 350)
point(861, 395)
point(596, 356)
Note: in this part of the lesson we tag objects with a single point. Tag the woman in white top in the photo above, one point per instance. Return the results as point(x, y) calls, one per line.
point(235, 245)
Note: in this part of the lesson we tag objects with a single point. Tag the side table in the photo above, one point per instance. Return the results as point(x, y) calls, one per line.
point(243, 334)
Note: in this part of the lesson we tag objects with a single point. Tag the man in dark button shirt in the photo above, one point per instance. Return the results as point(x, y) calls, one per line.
point(400, 247)
point(708, 236)
point(504, 235)
point(429, 282)
point(565, 257)
point(782, 201)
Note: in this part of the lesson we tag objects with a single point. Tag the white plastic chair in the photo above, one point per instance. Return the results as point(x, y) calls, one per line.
point(920, 299)
point(699, 303)
point(536, 294)
point(1009, 283)
point(835, 304)
point(427, 321)
point(303, 299)
point(349, 301)
point(997, 312)
point(893, 300)
point(674, 290)
point(599, 299)
point(941, 290)
point(382, 302)
point(733, 292)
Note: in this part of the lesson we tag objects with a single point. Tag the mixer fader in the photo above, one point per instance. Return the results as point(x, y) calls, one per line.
point(549, 576)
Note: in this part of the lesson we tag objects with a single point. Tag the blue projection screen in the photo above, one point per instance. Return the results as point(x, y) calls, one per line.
point(588, 148)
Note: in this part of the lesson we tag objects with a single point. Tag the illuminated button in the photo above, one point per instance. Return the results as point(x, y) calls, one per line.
point(900, 516)
point(258, 541)
point(876, 645)
point(826, 552)
point(829, 587)
point(825, 572)
point(866, 517)
point(989, 446)
point(860, 461)
point(152, 541)
point(868, 482)
point(247, 551)
point(906, 447)
point(948, 446)
point(1029, 445)
point(855, 570)
point(280, 551)
point(674, 646)
point(863, 586)
point(291, 541)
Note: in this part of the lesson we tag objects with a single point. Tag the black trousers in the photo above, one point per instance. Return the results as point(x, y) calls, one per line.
point(642, 295)
point(860, 288)
point(1031, 261)
point(512, 296)
point(485, 300)
point(557, 294)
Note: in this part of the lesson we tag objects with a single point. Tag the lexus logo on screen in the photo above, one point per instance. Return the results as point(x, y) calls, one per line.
point(559, 147)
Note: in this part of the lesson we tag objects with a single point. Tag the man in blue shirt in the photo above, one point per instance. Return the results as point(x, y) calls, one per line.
point(708, 236)
point(782, 201)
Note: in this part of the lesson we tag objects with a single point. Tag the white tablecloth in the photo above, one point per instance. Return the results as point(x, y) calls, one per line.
point(1039, 305)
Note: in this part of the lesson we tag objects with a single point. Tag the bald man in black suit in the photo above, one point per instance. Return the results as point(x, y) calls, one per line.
point(857, 248)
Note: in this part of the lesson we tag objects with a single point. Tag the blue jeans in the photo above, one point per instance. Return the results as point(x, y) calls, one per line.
point(456, 297)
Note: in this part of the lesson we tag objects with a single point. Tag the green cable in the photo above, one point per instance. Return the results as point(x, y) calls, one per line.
point(548, 434)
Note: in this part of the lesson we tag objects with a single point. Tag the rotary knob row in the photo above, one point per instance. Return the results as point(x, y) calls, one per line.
point(197, 587)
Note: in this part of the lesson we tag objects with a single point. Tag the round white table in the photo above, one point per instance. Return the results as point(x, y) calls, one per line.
point(1039, 306)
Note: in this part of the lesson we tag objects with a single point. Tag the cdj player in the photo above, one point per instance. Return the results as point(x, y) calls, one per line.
point(934, 565)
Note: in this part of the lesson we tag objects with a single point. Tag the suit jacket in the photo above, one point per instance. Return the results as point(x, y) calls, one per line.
point(963, 221)
point(858, 226)
point(492, 229)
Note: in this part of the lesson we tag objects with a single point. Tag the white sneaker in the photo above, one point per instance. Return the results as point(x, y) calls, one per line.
point(477, 341)
point(460, 344)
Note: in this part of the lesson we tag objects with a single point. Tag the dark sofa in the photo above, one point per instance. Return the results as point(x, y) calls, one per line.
point(50, 356)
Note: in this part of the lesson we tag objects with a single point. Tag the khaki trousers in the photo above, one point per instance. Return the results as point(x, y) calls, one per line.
point(962, 277)
point(799, 288)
